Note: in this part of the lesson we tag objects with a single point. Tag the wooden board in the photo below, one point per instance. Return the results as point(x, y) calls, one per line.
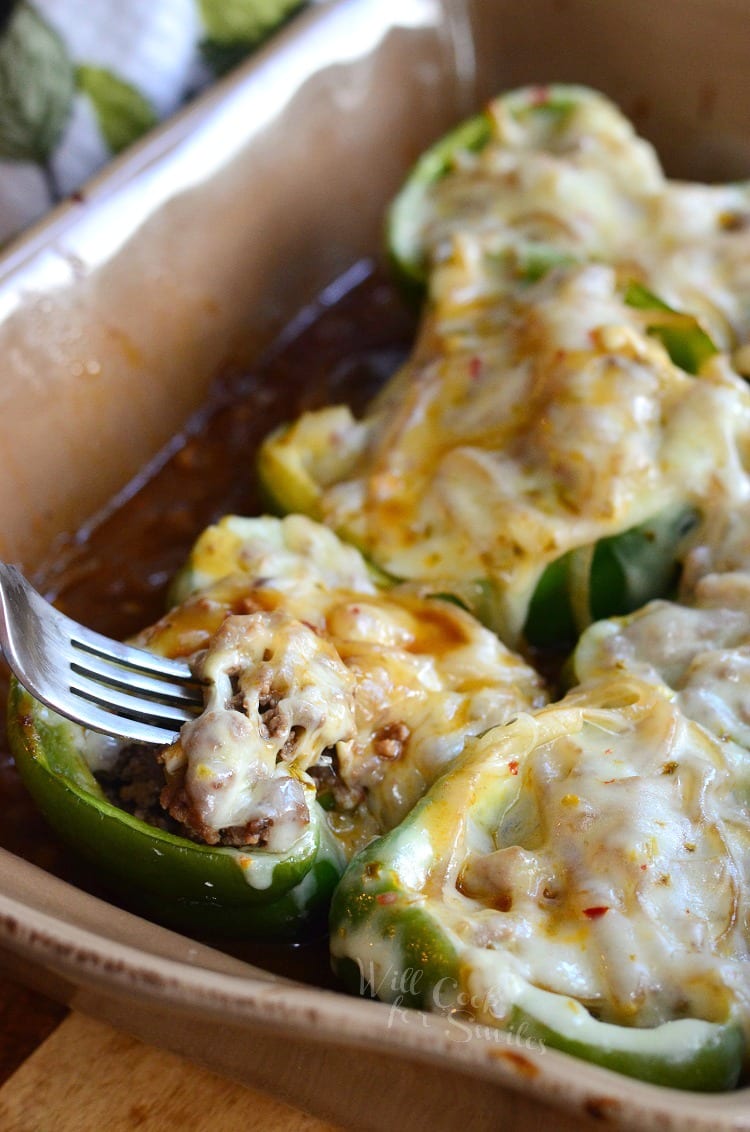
point(87, 1077)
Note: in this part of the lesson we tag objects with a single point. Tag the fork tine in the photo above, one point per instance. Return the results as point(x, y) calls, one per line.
point(95, 718)
point(129, 703)
point(129, 656)
point(85, 677)
point(118, 676)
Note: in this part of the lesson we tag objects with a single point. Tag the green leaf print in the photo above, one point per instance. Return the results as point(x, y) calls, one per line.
point(235, 27)
point(36, 87)
point(122, 112)
point(228, 21)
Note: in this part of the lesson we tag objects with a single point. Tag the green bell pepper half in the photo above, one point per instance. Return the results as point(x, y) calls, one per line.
point(626, 571)
point(405, 217)
point(704, 1061)
point(198, 888)
point(374, 897)
point(392, 938)
point(405, 250)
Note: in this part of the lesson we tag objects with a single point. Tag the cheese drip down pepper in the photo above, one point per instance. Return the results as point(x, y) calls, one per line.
point(572, 409)
point(332, 702)
point(580, 874)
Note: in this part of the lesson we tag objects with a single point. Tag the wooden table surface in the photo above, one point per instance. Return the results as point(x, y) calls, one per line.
point(62, 1071)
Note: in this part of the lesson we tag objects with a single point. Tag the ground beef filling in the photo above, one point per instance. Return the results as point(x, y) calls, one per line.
point(254, 833)
point(331, 790)
point(137, 784)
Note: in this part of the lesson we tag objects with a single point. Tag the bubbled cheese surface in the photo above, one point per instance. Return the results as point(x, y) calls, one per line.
point(624, 883)
point(596, 854)
point(310, 666)
point(538, 413)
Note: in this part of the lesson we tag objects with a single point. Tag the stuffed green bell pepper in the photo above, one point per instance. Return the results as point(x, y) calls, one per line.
point(570, 407)
point(547, 177)
point(158, 867)
point(544, 454)
point(331, 703)
point(582, 876)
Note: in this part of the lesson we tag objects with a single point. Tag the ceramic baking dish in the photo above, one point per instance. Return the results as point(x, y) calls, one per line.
point(195, 249)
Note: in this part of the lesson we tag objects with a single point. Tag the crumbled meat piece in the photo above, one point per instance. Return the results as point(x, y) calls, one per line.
point(175, 800)
point(325, 774)
point(135, 783)
point(274, 721)
point(278, 802)
point(249, 604)
point(389, 741)
point(254, 832)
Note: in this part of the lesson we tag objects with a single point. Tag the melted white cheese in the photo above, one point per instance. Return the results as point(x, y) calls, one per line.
point(320, 667)
point(278, 695)
point(511, 446)
point(628, 893)
point(292, 554)
point(598, 851)
point(538, 417)
point(579, 181)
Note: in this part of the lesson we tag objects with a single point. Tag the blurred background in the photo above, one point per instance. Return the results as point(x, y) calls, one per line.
point(81, 80)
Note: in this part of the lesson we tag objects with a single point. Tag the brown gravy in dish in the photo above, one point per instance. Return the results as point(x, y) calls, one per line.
point(113, 575)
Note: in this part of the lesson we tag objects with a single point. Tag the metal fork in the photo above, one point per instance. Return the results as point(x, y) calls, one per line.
point(99, 683)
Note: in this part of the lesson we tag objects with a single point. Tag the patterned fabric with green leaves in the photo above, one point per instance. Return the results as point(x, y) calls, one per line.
point(80, 80)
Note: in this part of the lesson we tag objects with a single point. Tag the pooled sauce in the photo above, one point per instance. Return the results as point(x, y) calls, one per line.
point(113, 575)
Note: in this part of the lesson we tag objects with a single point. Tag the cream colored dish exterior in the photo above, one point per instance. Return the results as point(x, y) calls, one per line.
point(194, 250)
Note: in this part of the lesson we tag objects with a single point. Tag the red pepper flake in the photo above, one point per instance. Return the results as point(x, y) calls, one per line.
point(596, 912)
point(387, 897)
point(540, 95)
point(513, 766)
point(475, 368)
point(643, 868)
